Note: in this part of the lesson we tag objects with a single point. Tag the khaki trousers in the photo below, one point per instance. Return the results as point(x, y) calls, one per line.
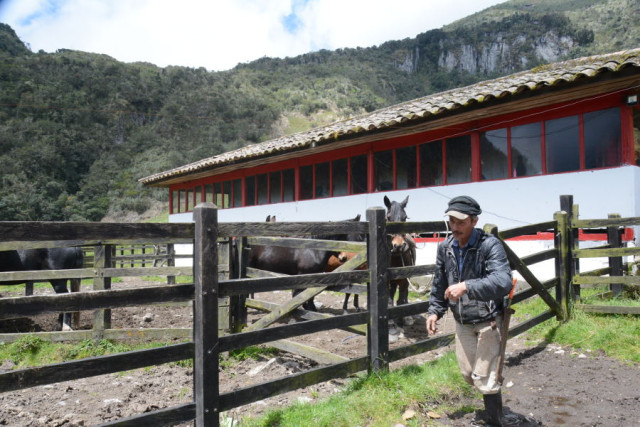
point(477, 349)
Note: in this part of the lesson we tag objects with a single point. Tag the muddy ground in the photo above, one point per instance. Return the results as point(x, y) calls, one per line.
point(545, 384)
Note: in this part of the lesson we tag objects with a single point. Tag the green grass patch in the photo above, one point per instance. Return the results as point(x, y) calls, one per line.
point(380, 400)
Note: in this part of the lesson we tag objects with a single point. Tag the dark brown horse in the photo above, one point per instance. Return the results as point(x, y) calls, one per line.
point(402, 253)
point(293, 261)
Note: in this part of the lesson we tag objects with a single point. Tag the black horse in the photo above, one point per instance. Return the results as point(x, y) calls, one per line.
point(46, 259)
point(294, 261)
point(402, 253)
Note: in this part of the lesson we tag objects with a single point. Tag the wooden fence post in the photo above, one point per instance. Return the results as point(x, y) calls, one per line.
point(171, 262)
point(566, 205)
point(615, 241)
point(102, 258)
point(563, 265)
point(205, 321)
point(378, 294)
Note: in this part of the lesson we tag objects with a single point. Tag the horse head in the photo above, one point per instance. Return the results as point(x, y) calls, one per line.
point(396, 210)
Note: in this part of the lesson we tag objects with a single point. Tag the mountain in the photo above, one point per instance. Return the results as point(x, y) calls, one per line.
point(78, 129)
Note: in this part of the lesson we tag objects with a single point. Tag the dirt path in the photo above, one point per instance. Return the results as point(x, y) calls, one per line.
point(545, 385)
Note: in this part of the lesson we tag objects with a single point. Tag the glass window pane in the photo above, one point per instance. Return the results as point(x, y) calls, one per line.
point(406, 167)
point(226, 189)
point(208, 193)
point(383, 170)
point(263, 189)
point(237, 193)
point(175, 202)
point(306, 182)
point(636, 135)
point(275, 187)
point(431, 164)
point(250, 190)
point(190, 199)
point(340, 177)
point(459, 159)
point(323, 171)
point(494, 154)
point(602, 138)
point(183, 200)
point(198, 195)
point(562, 139)
point(526, 149)
point(359, 174)
point(217, 188)
point(289, 185)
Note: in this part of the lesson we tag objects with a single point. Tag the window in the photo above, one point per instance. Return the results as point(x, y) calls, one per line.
point(458, 159)
point(275, 187)
point(323, 177)
point(183, 201)
point(250, 191)
point(406, 167)
point(263, 189)
point(208, 193)
point(494, 152)
point(306, 182)
point(526, 150)
point(359, 174)
point(340, 177)
point(175, 202)
point(288, 185)
point(383, 170)
point(562, 139)
point(602, 145)
point(237, 192)
point(431, 164)
point(190, 200)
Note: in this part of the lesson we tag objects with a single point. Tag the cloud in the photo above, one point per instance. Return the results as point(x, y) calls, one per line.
point(219, 34)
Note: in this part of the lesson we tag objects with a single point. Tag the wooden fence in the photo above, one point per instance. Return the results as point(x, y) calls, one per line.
point(206, 290)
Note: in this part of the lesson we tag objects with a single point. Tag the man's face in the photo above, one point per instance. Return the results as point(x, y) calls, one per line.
point(462, 228)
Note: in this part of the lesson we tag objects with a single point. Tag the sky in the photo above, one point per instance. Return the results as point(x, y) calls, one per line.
point(219, 34)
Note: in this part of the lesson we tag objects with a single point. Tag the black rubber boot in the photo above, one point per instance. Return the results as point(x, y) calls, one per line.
point(493, 409)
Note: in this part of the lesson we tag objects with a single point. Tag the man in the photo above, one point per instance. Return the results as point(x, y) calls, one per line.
point(472, 278)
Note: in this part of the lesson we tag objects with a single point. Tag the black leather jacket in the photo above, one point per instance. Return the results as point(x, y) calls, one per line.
point(487, 275)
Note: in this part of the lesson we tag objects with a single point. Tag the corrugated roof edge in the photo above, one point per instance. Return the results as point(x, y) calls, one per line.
point(420, 108)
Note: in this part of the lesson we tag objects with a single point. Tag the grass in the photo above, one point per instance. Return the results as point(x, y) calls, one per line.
point(380, 400)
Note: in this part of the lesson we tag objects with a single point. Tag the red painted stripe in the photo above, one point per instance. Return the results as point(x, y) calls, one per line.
point(627, 236)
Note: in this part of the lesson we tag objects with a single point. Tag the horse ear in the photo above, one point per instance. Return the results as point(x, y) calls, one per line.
point(387, 202)
point(268, 218)
point(357, 218)
point(404, 202)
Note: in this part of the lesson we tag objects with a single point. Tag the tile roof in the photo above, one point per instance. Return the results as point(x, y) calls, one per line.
point(421, 108)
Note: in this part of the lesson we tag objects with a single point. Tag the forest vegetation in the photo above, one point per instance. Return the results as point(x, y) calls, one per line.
point(77, 129)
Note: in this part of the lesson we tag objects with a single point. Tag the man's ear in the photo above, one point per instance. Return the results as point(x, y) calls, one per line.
point(474, 220)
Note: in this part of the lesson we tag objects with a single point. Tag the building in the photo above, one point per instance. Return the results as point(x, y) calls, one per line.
point(514, 143)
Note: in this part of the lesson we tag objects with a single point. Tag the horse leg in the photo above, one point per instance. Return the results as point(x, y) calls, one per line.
point(356, 302)
point(64, 319)
point(307, 305)
point(346, 303)
point(403, 298)
point(75, 287)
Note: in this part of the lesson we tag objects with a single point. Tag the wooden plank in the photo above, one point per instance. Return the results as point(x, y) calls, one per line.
point(526, 230)
point(422, 346)
point(205, 316)
point(606, 253)
point(319, 244)
point(528, 324)
point(603, 223)
point(84, 368)
point(416, 227)
point(84, 273)
point(606, 280)
point(320, 356)
point(261, 391)
point(607, 309)
point(339, 276)
point(539, 256)
point(78, 301)
point(303, 296)
point(157, 334)
point(98, 231)
point(597, 272)
point(305, 314)
point(523, 295)
point(37, 244)
point(162, 417)
point(231, 229)
point(410, 271)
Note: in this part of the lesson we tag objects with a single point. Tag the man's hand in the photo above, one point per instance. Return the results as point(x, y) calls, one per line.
point(455, 292)
point(432, 326)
